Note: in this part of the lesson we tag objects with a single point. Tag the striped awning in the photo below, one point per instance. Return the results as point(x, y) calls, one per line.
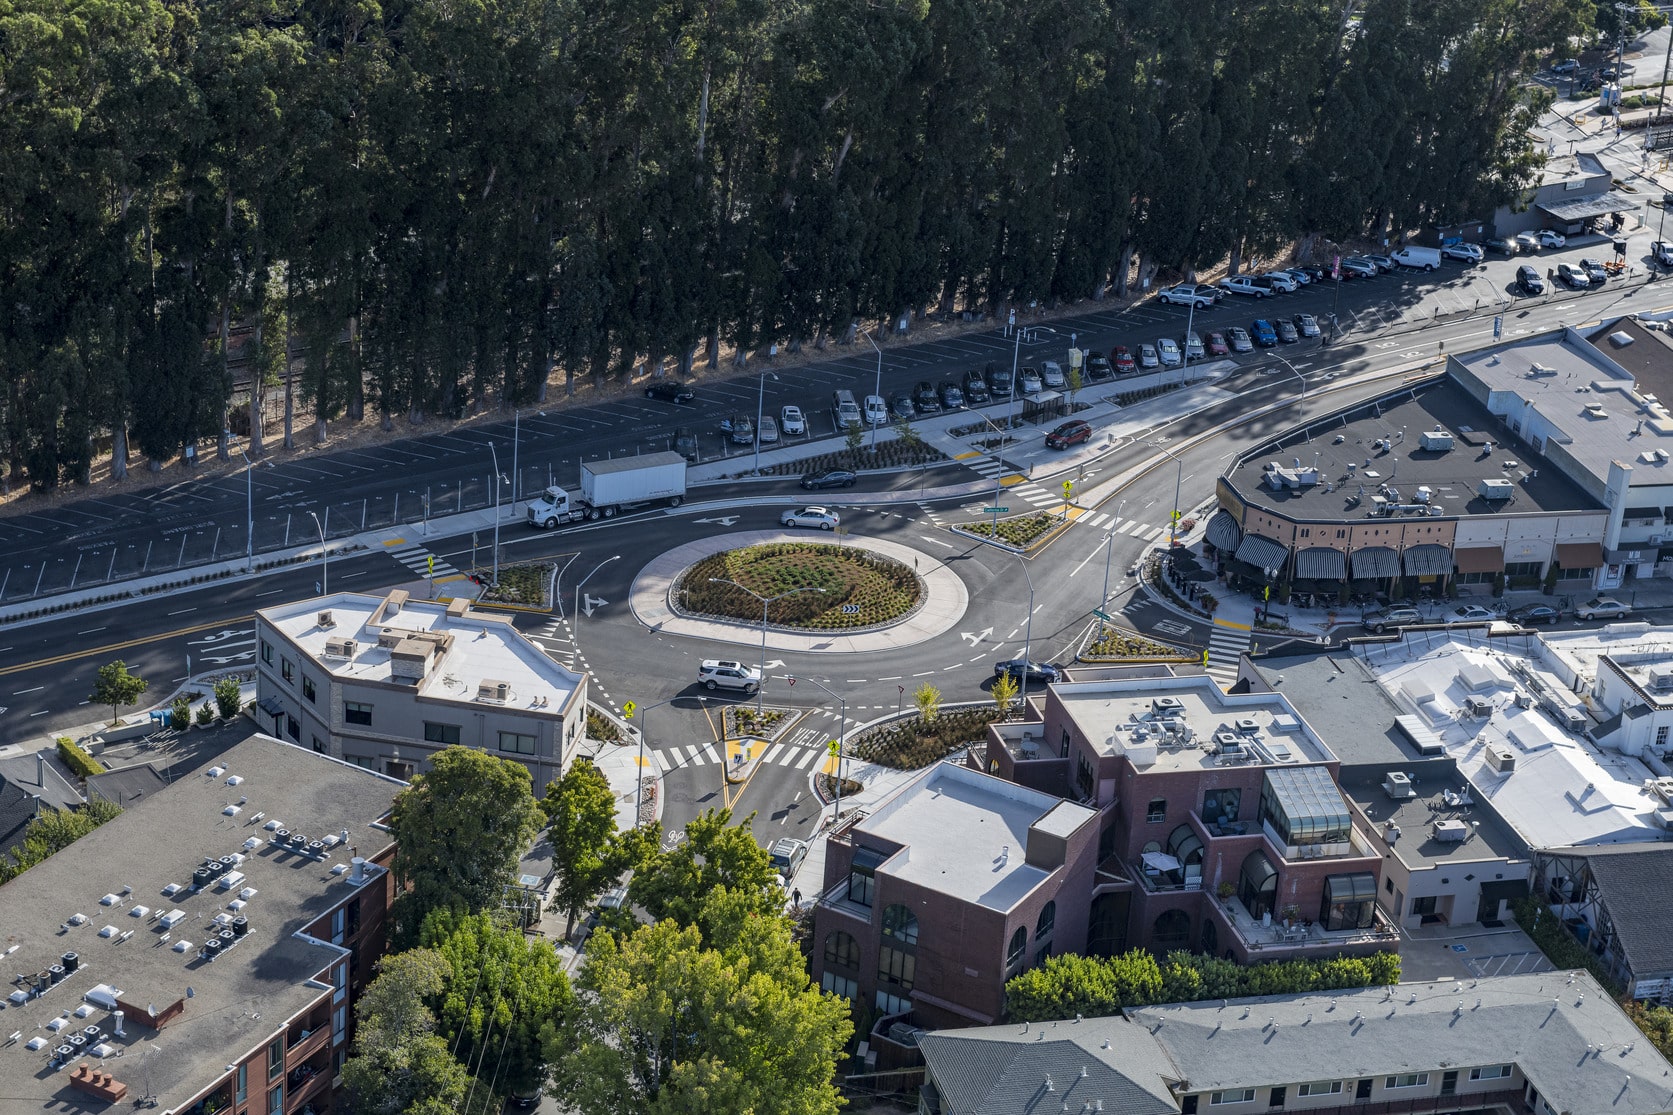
point(1373, 563)
point(1262, 552)
point(1321, 563)
point(1479, 559)
point(1428, 560)
point(1223, 533)
point(1579, 555)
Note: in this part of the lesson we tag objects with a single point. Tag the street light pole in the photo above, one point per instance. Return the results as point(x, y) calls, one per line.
point(766, 601)
point(878, 389)
point(1109, 545)
point(1028, 624)
point(584, 580)
point(841, 741)
point(1016, 358)
point(496, 454)
point(516, 442)
point(325, 553)
point(249, 513)
point(760, 412)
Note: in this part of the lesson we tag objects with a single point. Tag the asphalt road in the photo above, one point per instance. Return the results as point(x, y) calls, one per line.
point(111, 535)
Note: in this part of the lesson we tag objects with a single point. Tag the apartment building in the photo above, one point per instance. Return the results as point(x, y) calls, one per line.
point(203, 951)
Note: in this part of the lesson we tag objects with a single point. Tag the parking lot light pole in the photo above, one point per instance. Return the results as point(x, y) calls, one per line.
point(760, 405)
point(325, 554)
point(249, 513)
point(841, 740)
point(766, 601)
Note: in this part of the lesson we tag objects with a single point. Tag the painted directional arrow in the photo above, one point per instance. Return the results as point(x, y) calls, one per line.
point(775, 664)
point(589, 602)
point(974, 637)
point(725, 520)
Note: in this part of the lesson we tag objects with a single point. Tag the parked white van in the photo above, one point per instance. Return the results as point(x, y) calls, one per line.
point(1423, 259)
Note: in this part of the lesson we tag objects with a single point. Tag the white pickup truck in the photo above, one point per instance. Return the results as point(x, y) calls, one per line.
point(1244, 284)
point(1189, 294)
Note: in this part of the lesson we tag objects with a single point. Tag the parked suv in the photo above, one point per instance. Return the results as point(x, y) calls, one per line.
point(787, 854)
point(975, 387)
point(1390, 617)
point(1070, 433)
point(717, 673)
point(1529, 279)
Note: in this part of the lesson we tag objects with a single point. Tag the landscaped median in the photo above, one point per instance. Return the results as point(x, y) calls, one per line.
point(809, 587)
point(1018, 532)
point(526, 587)
point(1121, 644)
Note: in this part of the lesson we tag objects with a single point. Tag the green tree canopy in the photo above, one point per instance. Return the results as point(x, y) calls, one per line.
point(671, 1025)
point(581, 810)
point(460, 829)
point(676, 883)
point(115, 686)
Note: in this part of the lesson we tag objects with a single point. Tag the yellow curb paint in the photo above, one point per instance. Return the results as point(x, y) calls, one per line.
point(966, 456)
point(450, 579)
point(396, 542)
point(1233, 625)
point(1014, 478)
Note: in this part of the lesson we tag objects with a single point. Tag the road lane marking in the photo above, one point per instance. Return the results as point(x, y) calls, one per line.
point(182, 611)
point(21, 692)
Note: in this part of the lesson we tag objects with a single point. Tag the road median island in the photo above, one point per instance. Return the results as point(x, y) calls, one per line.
point(850, 588)
point(1021, 533)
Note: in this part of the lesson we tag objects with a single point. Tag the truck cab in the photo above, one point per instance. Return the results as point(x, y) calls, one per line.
point(552, 507)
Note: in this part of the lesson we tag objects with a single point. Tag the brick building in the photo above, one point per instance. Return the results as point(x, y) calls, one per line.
point(203, 951)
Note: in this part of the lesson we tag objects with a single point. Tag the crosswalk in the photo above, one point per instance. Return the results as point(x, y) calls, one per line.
point(700, 754)
point(1018, 489)
point(1146, 531)
point(417, 559)
point(1226, 644)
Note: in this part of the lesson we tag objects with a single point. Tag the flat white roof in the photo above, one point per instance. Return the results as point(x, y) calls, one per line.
point(965, 834)
point(1564, 789)
point(1639, 650)
point(484, 648)
point(1122, 717)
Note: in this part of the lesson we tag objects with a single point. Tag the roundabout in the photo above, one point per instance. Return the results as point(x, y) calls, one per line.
point(890, 616)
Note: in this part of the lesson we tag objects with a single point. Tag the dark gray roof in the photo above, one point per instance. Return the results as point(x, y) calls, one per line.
point(238, 1001)
point(1547, 1024)
point(1415, 817)
point(1340, 700)
point(126, 787)
point(1002, 1070)
point(1454, 475)
point(1649, 358)
point(41, 774)
point(17, 808)
point(1634, 884)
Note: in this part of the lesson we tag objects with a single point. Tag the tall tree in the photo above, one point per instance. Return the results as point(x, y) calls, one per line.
point(580, 809)
point(460, 829)
point(675, 883)
point(115, 686)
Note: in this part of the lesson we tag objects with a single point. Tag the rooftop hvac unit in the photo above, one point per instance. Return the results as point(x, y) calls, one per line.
point(1248, 725)
point(390, 637)
point(1661, 677)
point(1501, 758)
point(1494, 489)
point(1397, 784)
point(1664, 819)
point(491, 690)
point(1167, 706)
point(326, 620)
point(1227, 743)
point(1479, 706)
point(1436, 440)
point(340, 648)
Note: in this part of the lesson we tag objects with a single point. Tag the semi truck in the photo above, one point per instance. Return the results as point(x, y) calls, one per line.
point(610, 486)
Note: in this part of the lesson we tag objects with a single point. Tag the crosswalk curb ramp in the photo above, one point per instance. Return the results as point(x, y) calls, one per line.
point(418, 559)
point(1227, 643)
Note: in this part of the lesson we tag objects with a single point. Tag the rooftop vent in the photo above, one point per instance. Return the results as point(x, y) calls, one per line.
point(496, 692)
point(326, 620)
point(1595, 410)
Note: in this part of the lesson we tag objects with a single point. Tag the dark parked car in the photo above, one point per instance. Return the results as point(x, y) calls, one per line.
point(670, 391)
point(1391, 617)
point(1070, 433)
point(1529, 279)
point(685, 444)
point(830, 478)
point(900, 406)
point(1529, 614)
point(1286, 331)
point(975, 387)
point(924, 396)
point(1098, 367)
point(1217, 346)
point(1018, 668)
point(1307, 324)
point(951, 397)
point(1594, 271)
point(1000, 382)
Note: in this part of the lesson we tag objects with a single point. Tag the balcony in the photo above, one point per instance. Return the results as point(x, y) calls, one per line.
point(837, 899)
point(1273, 936)
point(1354, 847)
point(307, 1082)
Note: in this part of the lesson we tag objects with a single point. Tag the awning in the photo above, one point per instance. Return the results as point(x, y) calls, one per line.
point(1428, 560)
point(1321, 563)
point(1160, 861)
point(1262, 552)
point(271, 705)
point(1579, 555)
point(1358, 887)
point(1480, 559)
point(1375, 562)
point(1595, 206)
point(1223, 533)
point(1504, 890)
point(1642, 513)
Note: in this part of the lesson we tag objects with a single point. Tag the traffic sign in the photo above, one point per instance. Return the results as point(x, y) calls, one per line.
point(995, 510)
point(1101, 614)
point(1068, 486)
point(628, 709)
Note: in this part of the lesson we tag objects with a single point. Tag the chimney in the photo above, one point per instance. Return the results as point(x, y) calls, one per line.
point(40, 768)
point(358, 875)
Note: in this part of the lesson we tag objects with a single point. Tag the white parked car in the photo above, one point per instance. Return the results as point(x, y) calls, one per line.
point(1030, 382)
point(1471, 613)
point(877, 410)
point(1051, 373)
point(790, 420)
point(1147, 356)
point(1280, 281)
point(1464, 253)
point(768, 432)
point(1168, 349)
point(819, 518)
point(715, 673)
point(1550, 238)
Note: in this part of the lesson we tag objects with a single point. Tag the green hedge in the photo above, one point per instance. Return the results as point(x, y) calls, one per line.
point(1065, 986)
point(83, 764)
point(1558, 944)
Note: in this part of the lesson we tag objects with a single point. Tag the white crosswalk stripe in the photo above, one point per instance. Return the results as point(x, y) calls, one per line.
point(417, 559)
point(1097, 519)
point(1226, 645)
point(692, 755)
